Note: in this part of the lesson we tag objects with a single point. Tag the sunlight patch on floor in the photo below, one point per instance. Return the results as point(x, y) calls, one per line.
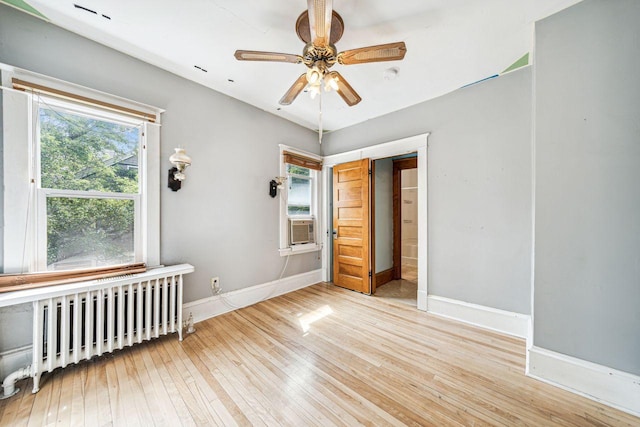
point(307, 319)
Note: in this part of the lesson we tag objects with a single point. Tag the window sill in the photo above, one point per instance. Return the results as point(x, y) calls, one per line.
point(300, 249)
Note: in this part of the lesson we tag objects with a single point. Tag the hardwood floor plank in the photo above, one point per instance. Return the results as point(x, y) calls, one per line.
point(102, 393)
point(131, 390)
point(320, 356)
point(26, 401)
point(224, 405)
point(90, 394)
point(66, 394)
point(116, 395)
point(193, 395)
point(14, 408)
point(77, 417)
point(153, 359)
point(156, 401)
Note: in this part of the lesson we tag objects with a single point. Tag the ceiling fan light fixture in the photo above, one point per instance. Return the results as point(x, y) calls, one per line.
point(331, 83)
point(314, 90)
point(314, 75)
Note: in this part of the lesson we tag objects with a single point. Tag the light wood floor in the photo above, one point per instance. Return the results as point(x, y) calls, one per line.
point(319, 356)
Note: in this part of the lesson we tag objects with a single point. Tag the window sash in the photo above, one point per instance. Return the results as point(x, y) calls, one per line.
point(309, 178)
point(79, 110)
point(40, 259)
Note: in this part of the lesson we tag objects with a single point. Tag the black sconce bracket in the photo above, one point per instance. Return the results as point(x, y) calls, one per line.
point(174, 183)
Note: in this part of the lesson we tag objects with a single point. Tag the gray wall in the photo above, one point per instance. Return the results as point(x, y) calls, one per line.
point(223, 220)
point(1, 182)
point(479, 187)
point(587, 274)
point(384, 215)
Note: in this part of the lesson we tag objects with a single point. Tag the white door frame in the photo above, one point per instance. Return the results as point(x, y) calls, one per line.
point(398, 147)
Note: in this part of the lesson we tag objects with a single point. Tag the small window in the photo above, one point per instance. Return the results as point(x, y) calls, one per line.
point(300, 175)
point(299, 200)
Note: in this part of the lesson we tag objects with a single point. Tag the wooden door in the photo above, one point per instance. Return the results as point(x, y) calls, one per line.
point(351, 226)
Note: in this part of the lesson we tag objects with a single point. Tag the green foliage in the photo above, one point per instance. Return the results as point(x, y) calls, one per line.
point(85, 154)
point(298, 170)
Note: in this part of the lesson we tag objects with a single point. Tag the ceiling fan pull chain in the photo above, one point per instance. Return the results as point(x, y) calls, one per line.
point(320, 121)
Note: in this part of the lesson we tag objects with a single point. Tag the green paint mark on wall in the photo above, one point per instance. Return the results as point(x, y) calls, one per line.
point(519, 63)
point(23, 6)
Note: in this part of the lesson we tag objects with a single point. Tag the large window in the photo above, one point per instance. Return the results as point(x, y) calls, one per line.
point(88, 192)
point(82, 189)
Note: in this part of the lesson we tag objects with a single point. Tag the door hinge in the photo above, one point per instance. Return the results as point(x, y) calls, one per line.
point(369, 171)
point(369, 273)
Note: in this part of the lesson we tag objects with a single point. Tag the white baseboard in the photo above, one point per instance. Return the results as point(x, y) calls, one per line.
point(15, 359)
point(609, 386)
point(506, 322)
point(207, 308)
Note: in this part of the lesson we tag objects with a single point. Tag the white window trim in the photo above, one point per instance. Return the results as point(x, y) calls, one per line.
point(316, 211)
point(19, 169)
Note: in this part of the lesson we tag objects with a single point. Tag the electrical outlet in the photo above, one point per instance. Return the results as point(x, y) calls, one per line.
point(215, 285)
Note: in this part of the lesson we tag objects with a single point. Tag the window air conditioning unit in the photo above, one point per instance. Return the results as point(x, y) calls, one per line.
point(302, 231)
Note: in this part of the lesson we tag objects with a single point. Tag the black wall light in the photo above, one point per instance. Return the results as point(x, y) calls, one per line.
point(274, 184)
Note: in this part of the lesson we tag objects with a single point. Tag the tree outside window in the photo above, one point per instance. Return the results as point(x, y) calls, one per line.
point(89, 173)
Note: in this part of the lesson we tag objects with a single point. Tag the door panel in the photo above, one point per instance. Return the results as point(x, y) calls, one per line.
point(351, 226)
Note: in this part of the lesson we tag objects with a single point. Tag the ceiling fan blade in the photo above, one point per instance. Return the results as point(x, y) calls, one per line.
point(379, 53)
point(344, 89)
point(320, 12)
point(254, 55)
point(295, 89)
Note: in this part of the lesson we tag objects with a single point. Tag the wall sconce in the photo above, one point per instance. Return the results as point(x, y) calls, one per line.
point(275, 184)
point(180, 160)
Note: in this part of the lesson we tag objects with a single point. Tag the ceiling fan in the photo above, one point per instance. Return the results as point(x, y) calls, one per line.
point(320, 27)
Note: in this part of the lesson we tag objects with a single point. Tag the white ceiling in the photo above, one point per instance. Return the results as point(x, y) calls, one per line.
point(450, 43)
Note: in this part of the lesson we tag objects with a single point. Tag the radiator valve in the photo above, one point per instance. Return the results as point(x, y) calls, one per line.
point(189, 324)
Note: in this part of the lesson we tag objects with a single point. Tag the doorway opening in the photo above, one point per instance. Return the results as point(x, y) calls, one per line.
point(394, 228)
point(349, 244)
